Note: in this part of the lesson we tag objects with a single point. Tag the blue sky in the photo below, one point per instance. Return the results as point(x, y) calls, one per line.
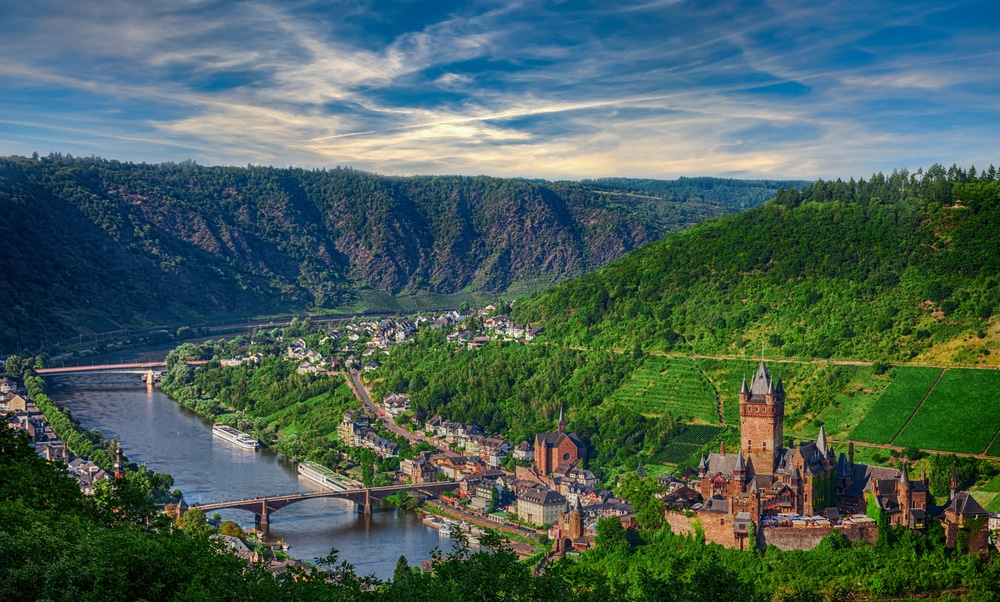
point(573, 89)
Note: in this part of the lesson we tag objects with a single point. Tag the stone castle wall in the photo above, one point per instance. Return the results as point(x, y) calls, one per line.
point(719, 529)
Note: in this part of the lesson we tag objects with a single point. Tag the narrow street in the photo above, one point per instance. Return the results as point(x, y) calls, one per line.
point(376, 413)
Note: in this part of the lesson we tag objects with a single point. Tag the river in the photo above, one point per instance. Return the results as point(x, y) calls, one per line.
point(157, 432)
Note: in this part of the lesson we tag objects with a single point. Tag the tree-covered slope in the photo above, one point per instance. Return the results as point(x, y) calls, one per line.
point(895, 267)
point(85, 243)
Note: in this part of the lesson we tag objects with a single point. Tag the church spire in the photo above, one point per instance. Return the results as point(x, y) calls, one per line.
point(562, 421)
point(118, 470)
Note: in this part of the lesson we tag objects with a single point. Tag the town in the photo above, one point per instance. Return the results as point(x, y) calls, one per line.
point(764, 493)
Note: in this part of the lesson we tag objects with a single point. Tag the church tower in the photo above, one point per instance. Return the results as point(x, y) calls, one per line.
point(762, 412)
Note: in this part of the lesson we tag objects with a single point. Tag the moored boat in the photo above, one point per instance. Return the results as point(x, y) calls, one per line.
point(237, 438)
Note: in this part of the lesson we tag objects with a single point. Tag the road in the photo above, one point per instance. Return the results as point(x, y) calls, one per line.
point(372, 410)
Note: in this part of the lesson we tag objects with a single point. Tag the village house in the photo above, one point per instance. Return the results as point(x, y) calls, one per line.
point(524, 452)
point(420, 468)
point(540, 506)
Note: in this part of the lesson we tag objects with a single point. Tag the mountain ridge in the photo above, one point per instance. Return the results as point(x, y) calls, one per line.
point(88, 243)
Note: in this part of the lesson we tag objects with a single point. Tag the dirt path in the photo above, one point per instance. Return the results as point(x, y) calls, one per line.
point(899, 449)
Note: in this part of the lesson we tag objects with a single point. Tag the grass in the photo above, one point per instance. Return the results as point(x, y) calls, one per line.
point(674, 385)
point(896, 405)
point(962, 414)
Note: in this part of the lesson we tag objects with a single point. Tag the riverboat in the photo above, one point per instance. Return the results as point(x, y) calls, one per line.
point(323, 476)
point(237, 438)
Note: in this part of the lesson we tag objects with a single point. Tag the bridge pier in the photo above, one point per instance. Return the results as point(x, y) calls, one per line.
point(366, 507)
point(261, 521)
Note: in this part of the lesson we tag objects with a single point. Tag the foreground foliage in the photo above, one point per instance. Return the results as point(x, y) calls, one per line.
point(59, 545)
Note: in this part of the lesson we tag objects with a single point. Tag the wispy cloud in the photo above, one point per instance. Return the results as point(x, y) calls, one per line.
point(575, 89)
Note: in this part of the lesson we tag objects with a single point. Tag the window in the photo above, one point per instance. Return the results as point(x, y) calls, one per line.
point(566, 456)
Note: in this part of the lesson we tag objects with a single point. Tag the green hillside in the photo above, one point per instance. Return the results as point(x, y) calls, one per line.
point(896, 267)
point(90, 245)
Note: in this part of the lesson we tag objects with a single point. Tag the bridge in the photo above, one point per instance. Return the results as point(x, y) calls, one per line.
point(263, 507)
point(150, 371)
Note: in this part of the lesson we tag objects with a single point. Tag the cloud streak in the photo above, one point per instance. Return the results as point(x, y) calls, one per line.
point(570, 90)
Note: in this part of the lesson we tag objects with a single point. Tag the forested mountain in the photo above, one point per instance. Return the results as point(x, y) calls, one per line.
point(88, 241)
point(895, 267)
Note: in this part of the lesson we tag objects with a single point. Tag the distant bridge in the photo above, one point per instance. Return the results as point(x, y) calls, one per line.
point(262, 507)
point(151, 371)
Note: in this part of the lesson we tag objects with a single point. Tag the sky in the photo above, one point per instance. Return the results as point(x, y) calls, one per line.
point(554, 90)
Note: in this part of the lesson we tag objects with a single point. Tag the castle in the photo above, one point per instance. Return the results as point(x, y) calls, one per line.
point(765, 482)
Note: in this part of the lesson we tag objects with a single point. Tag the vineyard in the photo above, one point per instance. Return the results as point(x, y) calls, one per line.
point(896, 405)
point(994, 449)
point(687, 443)
point(672, 385)
point(727, 375)
point(962, 413)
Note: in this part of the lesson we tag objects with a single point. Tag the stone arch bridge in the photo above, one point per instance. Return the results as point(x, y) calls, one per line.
point(263, 507)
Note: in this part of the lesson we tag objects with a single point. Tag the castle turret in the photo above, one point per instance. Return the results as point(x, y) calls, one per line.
point(821, 441)
point(954, 480)
point(740, 472)
point(903, 495)
point(703, 466)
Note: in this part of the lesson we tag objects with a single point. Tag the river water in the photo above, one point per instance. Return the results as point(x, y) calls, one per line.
point(159, 433)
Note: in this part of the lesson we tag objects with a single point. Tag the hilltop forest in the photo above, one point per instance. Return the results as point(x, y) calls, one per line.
point(899, 267)
point(89, 245)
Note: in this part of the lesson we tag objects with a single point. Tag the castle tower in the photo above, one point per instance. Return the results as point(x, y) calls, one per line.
point(762, 411)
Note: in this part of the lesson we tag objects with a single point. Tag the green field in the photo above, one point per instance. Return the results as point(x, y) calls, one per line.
point(689, 442)
point(896, 405)
point(665, 384)
point(962, 413)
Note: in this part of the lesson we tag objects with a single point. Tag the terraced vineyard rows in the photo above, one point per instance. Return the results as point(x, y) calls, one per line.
point(896, 405)
point(669, 384)
point(686, 444)
point(962, 413)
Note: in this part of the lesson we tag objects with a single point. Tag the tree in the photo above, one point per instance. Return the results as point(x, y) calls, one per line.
point(194, 524)
point(230, 528)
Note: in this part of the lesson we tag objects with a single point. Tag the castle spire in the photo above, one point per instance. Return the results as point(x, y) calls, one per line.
point(821, 441)
point(744, 389)
point(954, 480)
